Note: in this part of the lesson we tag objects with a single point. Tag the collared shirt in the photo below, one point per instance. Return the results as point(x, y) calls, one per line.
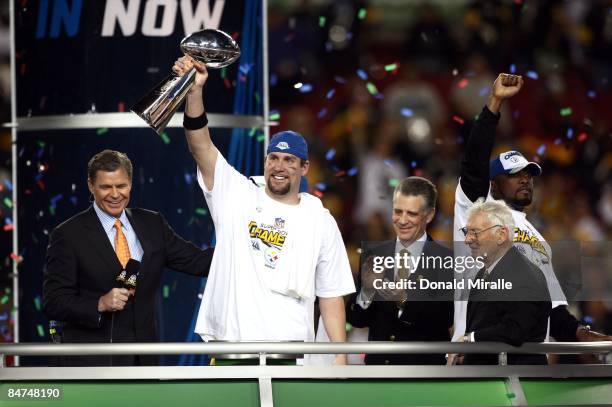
point(415, 249)
point(108, 224)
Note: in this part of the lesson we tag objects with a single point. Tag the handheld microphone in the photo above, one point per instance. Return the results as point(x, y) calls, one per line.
point(128, 278)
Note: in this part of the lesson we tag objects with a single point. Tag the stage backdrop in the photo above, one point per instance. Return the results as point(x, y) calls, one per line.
point(75, 57)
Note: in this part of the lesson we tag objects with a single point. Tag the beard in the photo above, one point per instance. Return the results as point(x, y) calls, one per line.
point(517, 202)
point(282, 190)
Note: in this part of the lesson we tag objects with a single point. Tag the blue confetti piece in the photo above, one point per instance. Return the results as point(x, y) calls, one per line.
point(8, 184)
point(55, 199)
point(541, 149)
point(388, 163)
point(340, 79)
point(513, 68)
point(483, 91)
point(245, 68)
point(329, 47)
point(532, 75)
point(330, 93)
point(335, 168)
point(74, 200)
point(188, 178)
point(361, 73)
point(39, 176)
point(557, 141)
point(413, 164)
point(569, 133)
point(406, 112)
point(330, 154)
point(379, 96)
point(320, 186)
point(592, 94)
point(352, 172)
point(40, 152)
point(588, 319)
point(305, 88)
point(8, 221)
point(322, 113)
point(273, 79)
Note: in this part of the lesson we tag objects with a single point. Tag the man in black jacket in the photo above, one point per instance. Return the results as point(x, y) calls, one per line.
point(87, 253)
point(510, 177)
point(508, 300)
point(405, 313)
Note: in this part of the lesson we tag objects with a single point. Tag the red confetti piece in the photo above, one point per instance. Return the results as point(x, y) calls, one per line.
point(15, 257)
point(235, 35)
point(340, 173)
point(317, 193)
point(458, 120)
point(8, 227)
point(418, 173)
point(121, 106)
point(41, 185)
point(463, 83)
point(582, 137)
point(227, 83)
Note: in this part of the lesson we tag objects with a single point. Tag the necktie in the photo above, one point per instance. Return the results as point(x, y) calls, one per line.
point(403, 268)
point(121, 245)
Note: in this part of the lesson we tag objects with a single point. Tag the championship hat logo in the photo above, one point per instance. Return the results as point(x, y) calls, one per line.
point(283, 145)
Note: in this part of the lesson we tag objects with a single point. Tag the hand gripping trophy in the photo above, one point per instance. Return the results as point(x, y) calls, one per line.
point(214, 48)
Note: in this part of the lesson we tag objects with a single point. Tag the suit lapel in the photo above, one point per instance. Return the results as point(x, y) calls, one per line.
point(99, 240)
point(143, 237)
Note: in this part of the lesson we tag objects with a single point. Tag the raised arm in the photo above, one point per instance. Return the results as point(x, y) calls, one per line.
point(475, 163)
point(196, 125)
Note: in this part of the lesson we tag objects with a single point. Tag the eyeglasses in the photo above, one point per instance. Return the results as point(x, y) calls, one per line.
point(466, 232)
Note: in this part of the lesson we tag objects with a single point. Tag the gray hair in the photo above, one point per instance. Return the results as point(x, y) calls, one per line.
point(497, 211)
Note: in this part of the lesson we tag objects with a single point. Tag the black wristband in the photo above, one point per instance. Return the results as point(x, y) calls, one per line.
point(195, 123)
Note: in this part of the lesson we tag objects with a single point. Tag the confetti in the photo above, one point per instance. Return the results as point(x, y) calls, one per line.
point(582, 137)
point(541, 150)
point(393, 182)
point(532, 74)
point(306, 88)
point(592, 94)
point(458, 120)
point(391, 67)
point(406, 112)
point(8, 227)
point(330, 93)
point(201, 211)
point(557, 141)
point(317, 193)
point(566, 111)
point(330, 154)
point(569, 133)
point(37, 303)
point(322, 21)
point(8, 184)
point(165, 138)
point(388, 163)
point(261, 137)
point(463, 83)
point(371, 88)
point(188, 178)
point(413, 164)
point(40, 330)
point(4, 299)
point(8, 202)
point(322, 113)
point(340, 79)
point(362, 74)
point(512, 68)
point(274, 115)
point(361, 14)
point(483, 91)
point(102, 131)
point(340, 174)
point(321, 186)
point(253, 131)
point(166, 291)
point(352, 172)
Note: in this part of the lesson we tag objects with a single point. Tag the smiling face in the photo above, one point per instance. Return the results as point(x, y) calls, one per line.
point(515, 189)
point(485, 238)
point(111, 191)
point(410, 216)
point(283, 173)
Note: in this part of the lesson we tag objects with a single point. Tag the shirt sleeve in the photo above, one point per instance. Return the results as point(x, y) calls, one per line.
point(228, 186)
point(333, 276)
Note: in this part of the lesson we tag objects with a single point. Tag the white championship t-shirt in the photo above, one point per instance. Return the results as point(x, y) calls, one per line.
point(526, 239)
point(253, 231)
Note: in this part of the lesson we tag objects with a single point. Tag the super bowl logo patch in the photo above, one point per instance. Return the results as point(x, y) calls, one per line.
point(279, 223)
point(271, 256)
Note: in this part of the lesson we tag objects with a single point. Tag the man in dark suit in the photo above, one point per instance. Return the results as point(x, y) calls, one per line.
point(86, 254)
point(509, 301)
point(405, 313)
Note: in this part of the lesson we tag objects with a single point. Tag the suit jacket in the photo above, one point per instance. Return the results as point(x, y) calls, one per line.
point(426, 317)
point(81, 266)
point(511, 316)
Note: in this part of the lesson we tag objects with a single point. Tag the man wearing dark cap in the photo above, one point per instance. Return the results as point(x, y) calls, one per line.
point(509, 177)
point(277, 249)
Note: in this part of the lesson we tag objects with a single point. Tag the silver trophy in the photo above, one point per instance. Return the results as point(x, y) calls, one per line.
point(214, 48)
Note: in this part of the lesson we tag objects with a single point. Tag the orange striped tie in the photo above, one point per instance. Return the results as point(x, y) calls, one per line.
point(121, 245)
